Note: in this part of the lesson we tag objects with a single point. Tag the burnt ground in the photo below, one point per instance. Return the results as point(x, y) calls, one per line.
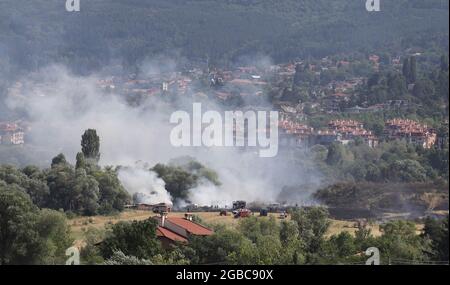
point(384, 200)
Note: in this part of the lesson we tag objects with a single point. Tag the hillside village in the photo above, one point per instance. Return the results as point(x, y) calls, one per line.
point(11, 133)
point(256, 87)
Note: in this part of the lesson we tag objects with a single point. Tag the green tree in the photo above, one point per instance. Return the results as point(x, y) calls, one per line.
point(253, 228)
point(407, 171)
point(31, 179)
point(137, 238)
point(60, 179)
point(336, 154)
point(437, 232)
point(20, 242)
point(38, 191)
point(407, 69)
point(90, 145)
point(269, 250)
point(424, 90)
point(59, 159)
point(81, 161)
point(216, 248)
point(90, 253)
point(396, 85)
point(400, 244)
point(293, 246)
point(178, 181)
point(120, 258)
point(343, 244)
point(413, 69)
point(55, 232)
point(312, 224)
point(85, 193)
point(112, 195)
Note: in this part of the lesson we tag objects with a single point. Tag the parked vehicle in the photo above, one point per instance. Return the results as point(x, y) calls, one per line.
point(161, 208)
point(243, 213)
point(239, 205)
point(283, 215)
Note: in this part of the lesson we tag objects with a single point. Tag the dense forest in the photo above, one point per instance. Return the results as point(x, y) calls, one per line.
point(32, 34)
point(219, 33)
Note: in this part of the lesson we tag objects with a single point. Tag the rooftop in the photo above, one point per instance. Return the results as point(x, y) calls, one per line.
point(191, 227)
point(163, 232)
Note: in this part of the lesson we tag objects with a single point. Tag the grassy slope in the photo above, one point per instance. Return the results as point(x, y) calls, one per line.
point(79, 225)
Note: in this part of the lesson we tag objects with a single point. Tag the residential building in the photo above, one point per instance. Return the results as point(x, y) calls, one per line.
point(175, 229)
point(11, 133)
point(351, 130)
point(411, 131)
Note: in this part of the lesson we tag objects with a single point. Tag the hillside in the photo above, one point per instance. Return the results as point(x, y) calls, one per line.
point(415, 199)
point(33, 33)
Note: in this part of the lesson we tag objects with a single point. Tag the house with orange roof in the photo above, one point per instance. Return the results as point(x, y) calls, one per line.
point(172, 230)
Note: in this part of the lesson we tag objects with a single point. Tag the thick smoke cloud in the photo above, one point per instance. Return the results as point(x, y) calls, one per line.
point(144, 185)
point(60, 106)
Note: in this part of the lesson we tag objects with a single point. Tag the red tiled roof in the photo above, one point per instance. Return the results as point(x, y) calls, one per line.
point(339, 94)
point(246, 81)
point(191, 227)
point(408, 127)
point(163, 232)
point(8, 127)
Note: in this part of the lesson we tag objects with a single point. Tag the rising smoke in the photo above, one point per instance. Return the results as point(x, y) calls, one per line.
point(145, 186)
point(60, 106)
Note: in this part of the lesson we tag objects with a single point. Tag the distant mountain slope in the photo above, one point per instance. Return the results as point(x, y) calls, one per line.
point(33, 33)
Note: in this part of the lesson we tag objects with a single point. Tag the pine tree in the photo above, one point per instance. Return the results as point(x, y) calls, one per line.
point(406, 69)
point(413, 69)
point(298, 75)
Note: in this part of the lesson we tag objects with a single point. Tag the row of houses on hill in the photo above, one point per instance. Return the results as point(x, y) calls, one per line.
point(11, 134)
point(411, 131)
point(346, 131)
point(342, 131)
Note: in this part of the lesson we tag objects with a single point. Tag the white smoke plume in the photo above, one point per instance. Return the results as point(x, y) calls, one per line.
point(145, 184)
point(60, 106)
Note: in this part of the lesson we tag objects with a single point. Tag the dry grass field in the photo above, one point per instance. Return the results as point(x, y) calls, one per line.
point(81, 224)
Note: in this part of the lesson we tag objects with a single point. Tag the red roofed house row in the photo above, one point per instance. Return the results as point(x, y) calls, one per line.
point(351, 129)
point(411, 131)
point(11, 133)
